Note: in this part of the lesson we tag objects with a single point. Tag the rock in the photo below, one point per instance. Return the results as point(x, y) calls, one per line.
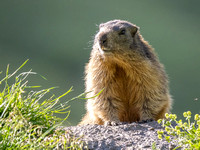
point(139, 136)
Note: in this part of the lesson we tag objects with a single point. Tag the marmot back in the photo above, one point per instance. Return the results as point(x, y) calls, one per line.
point(126, 68)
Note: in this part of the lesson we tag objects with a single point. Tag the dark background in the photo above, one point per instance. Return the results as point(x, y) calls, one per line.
point(56, 36)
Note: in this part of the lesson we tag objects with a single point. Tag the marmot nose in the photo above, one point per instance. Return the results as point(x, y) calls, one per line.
point(103, 40)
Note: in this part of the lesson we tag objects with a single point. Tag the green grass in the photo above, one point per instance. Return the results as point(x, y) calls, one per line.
point(186, 134)
point(27, 119)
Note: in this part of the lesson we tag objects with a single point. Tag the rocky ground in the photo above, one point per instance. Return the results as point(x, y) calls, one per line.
point(139, 136)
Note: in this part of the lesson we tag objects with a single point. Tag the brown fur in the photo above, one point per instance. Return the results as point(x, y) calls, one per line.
point(134, 83)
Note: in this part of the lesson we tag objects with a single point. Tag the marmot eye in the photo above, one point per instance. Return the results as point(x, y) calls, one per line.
point(122, 32)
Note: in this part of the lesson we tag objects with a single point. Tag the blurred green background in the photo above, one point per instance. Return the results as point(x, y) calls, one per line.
point(57, 38)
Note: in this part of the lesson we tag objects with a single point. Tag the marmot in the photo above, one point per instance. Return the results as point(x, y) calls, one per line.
point(126, 69)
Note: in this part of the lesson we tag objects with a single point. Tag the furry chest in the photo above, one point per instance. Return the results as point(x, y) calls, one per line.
point(128, 93)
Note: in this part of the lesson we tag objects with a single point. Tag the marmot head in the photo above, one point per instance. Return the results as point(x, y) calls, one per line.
point(115, 36)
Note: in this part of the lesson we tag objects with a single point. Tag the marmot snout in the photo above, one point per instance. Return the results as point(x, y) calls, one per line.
point(126, 68)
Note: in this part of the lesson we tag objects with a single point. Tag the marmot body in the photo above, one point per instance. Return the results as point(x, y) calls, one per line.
point(126, 69)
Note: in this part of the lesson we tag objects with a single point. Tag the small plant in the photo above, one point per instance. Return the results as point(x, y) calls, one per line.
point(26, 116)
point(153, 147)
point(185, 134)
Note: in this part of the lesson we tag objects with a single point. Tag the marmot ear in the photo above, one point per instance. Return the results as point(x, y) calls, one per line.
point(134, 30)
point(101, 25)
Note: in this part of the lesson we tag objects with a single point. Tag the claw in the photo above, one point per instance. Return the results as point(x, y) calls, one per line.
point(111, 123)
point(146, 121)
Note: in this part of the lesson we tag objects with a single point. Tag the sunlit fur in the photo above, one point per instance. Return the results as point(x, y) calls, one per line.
point(134, 83)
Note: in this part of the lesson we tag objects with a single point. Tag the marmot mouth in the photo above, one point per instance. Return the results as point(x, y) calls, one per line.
point(106, 50)
point(103, 49)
